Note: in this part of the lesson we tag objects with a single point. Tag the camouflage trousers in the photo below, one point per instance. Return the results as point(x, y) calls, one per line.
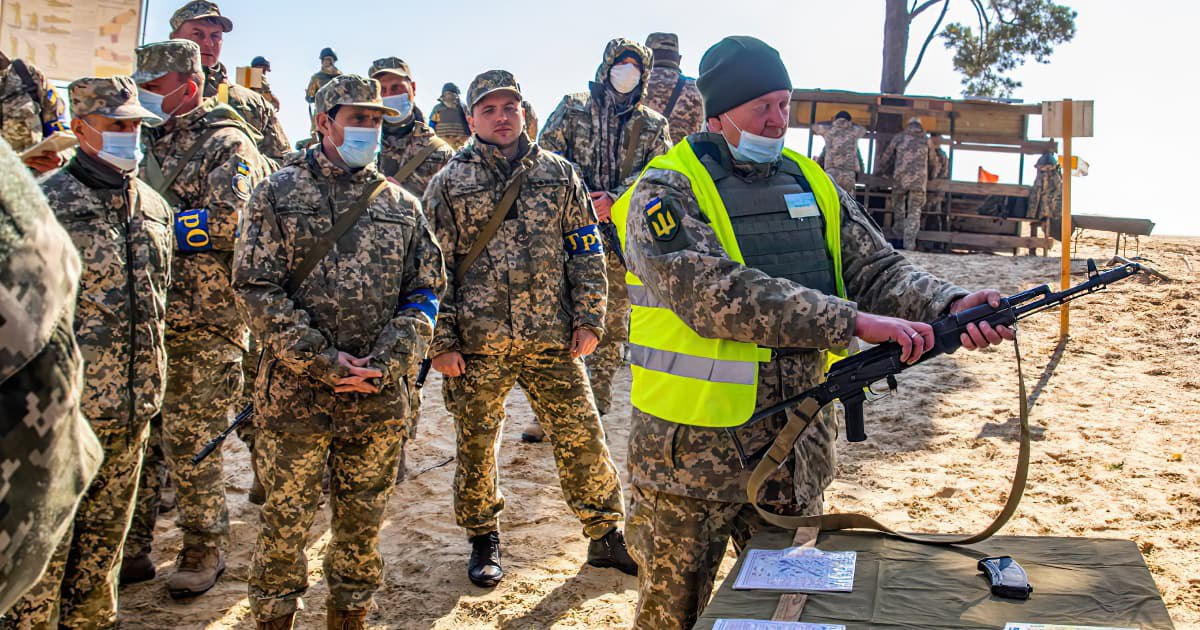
point(557, 390)
point(362, 471)
point(149, 493)
point(610, 354)
point(204, 381)
point(846, 179)
point(79, 587)
point(907, 206)
point(678, 543)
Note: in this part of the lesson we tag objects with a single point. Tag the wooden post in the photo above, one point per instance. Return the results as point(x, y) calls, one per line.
point(1068, 124)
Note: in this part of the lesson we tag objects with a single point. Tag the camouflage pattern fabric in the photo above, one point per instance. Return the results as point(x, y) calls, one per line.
point(449, 121)
point(590, 129)
point(531, 121)
point(362, 471)
point(254, 108)
point(48, 452)
point(688, 115)
point(318, 81)
point(907, 159)
point(557, 390)
point(1045, 200)
point(114, 97)
point(718, 298)
point(264, 90)
point(939, 168)
point(151, 479)
point(401, 142)
point(525, 294)
point(24, 121)
point(841, 158)
point(199, 9)
point(158, 59)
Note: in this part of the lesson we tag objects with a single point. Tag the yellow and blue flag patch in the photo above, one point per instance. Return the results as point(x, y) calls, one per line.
point(662, 219)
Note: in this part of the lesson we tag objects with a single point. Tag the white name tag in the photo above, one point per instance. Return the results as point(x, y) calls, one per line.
point(801, 205)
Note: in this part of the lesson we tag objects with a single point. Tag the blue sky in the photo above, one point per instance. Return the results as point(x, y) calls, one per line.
point(1130, 58)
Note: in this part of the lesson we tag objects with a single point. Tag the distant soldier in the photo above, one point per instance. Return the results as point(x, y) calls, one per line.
point(264, 86)
point(1045, 200)
point(345, 315)
point(47, 452)
point(906, 159)
point(670, 93)
point(203, 161)
point(201, 21)
point(123, 230)
point(841, 158)
point(939, 168)
point(524, 302)
point(29, 111)
point(610, 134)
point(411, 153)
point(449, 118)
point(326, 74)
point(531, 121)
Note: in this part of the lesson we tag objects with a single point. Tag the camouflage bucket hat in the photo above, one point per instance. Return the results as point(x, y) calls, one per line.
point(492, 81)
point(113, 98)
point(393, 65)
point(198, 9)
point(351, 89)
point(162, 58)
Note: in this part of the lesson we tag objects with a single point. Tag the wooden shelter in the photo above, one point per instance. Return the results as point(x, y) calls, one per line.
point(970, 215)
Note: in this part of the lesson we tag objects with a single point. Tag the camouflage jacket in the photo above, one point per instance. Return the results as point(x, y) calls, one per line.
point(1045, 198)
point(25, 120)
point(906, 159)
point(539, 278)
point(265, 91)
point(401, 142)
point(47, 451)
point(215, 183)
point(719, 298)
point(375, 294)
point(591, 129)
point(317, 81)
point(687, 117)
point(841, 144)
point(449, 121)
point(255, 109)
point(122, 229)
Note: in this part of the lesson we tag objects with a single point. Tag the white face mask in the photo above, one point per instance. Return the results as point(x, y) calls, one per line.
point(154, 103)
point(120, 150)
point(360, 146)
point(625, 77)
point(400, 103)
point(752, 147)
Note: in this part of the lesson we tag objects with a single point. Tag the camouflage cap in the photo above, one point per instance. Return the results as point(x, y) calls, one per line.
point(115, 97)
point(489, 82)
point(393, 65)
point(162, 58)
point(351, 89)
point(663, 41)
point(199, 9)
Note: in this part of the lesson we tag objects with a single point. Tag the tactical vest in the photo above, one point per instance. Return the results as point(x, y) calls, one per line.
point(451, 122)
point(678, 375)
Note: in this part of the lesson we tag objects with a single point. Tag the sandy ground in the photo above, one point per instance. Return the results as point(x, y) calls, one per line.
point(1116, 455)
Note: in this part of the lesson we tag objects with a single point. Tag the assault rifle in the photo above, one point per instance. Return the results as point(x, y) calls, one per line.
point(242, 418)
point(612, 242)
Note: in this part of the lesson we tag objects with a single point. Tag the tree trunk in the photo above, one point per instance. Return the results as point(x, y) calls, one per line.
point(895, 47)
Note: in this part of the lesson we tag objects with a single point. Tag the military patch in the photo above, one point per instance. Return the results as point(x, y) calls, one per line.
point(191, 231)
point(662, 219)
point(241, 180)
point(585, 240)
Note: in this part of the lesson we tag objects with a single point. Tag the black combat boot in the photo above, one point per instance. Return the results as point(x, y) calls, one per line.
point(484, 566)
point(609, 551)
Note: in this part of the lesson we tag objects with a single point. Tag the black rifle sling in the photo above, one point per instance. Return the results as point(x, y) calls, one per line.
point(321, 248)
point(635, 132)
point(670, 108)
point(784, 443)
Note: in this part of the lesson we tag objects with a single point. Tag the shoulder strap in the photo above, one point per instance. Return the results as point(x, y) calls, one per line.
point(408, 168)
point(631, 142)
point(493, 225)
point(679, 83)
point(162, 182)
point(27, 81)
point(330, 238)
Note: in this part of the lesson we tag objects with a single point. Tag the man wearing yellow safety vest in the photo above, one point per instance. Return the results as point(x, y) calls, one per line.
point(744, 258)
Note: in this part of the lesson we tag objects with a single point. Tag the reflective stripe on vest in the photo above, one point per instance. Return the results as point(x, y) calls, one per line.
point(678, 375)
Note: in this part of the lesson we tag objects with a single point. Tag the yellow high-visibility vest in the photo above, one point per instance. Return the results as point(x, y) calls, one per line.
point(678, 375)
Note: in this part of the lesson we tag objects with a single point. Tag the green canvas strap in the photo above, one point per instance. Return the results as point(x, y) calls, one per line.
point(631, 142)
point(499, 211)
point(408, 168)
point(321, 248)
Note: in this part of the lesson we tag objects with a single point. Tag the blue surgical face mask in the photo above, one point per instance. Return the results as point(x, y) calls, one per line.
point(360, 146)
point(755, 148)
point(154, 103)
point(120, 149)
point(400, 103)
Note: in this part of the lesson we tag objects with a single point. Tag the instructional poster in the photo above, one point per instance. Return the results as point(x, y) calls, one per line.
point(68, 39)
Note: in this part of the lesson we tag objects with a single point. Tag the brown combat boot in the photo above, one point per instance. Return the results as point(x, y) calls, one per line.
point(283, 622)
point(196, 571)
point(346, 620)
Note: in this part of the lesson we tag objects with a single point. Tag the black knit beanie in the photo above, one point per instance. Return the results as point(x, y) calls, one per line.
point(738, 69)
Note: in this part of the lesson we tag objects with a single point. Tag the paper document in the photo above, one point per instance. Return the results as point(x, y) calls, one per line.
point(755, 624)
point(1054, 626)
point(54, 143)
point(797, 569)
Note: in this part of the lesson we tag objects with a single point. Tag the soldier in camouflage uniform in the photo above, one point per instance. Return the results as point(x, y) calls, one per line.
point(410, 146)
point(327, 73)
point(1045, 200)
point(593, 129)
point(689, 486)
point(204, 162)
point(47, 452)
point(29, 111)
point(906, 160)
point(448, 118)
point(264, 86)
point(342, 348)
point(201, 21)
point(939, 168)
point(525, 311)
point(122, 229)
point(841, 157)
point(670, 93)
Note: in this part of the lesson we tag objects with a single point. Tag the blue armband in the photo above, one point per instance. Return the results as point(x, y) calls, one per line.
point(585, 240)
point(191, 231)
point(425, 301)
